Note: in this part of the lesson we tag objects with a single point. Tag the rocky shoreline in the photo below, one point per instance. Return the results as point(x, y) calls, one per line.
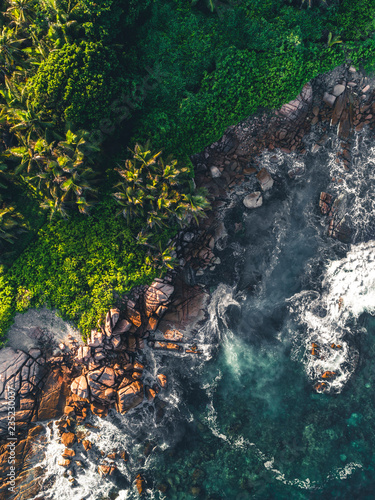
point(67, 382)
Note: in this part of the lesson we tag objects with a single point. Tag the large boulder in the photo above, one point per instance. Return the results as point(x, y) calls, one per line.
point(101, 384)
point(134, 316)
point(265, 179)
point(80, 387)
point(52, 397)
point(253, 200)
point(122, 326)
point(68, 439)
point(157, 294)
point(111, 320)
point(105, 376)
point(96, 339)
point(130, 396)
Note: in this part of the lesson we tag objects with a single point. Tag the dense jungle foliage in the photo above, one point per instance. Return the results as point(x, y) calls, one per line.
point(82, 82)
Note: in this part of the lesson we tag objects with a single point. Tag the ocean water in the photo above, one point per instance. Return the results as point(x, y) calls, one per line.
point(243, 421)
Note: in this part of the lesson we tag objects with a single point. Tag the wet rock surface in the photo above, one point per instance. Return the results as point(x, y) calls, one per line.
point(108, 373)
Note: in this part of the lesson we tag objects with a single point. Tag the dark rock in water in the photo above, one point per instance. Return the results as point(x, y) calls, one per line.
point(233, 315)
point(265, 179)
point(344, 126)
point(253, 200)
point(325, 203)
point(339, 108)
point(130, 396)
point(339, 230)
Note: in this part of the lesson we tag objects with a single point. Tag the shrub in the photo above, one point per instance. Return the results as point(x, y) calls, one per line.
point(77, 84)
point(80, 266)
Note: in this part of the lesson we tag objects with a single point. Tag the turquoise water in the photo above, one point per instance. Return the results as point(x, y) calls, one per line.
point(306, 445)
point(243, 421)
point(251, 423)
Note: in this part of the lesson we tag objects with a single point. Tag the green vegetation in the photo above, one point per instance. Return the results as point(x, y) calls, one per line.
point(81, 82)
point(158, 193)
point(81, 266)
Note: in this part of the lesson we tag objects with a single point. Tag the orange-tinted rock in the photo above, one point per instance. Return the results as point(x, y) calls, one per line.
point(86, 444)
point(150, 393)
point(313, 344)
point(99, 409)
point(68, 438)
point(320, 386)
point(124, 455)
point(79, 387)
point(125, 381)
point(152, 323)
point(328, 374)
point(106, 470)
point(173, 335)
point(134, 316)
point(69, 410)
point(139, 481)
point(162, 379)
point(130, 396)
point(52, 397)
point(68, 453)
point(64, 462)
point(112, 456)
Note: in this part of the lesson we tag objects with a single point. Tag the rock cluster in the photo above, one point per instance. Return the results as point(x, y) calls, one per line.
point(102, 374)
point(21, 377)
point(335, 212)
point(107, 373)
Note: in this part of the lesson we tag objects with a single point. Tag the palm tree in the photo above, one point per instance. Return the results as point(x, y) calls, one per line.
point(11, 224)
point(157, 193)
point(21, 12)
point(10, 50)
point(62, 29)
point(65, 179)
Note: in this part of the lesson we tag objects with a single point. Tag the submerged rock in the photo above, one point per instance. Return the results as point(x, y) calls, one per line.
point(253, 200)
point(265, 179)
point(325, 202)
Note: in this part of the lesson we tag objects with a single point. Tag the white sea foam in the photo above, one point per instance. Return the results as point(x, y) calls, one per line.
point(348, 290)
